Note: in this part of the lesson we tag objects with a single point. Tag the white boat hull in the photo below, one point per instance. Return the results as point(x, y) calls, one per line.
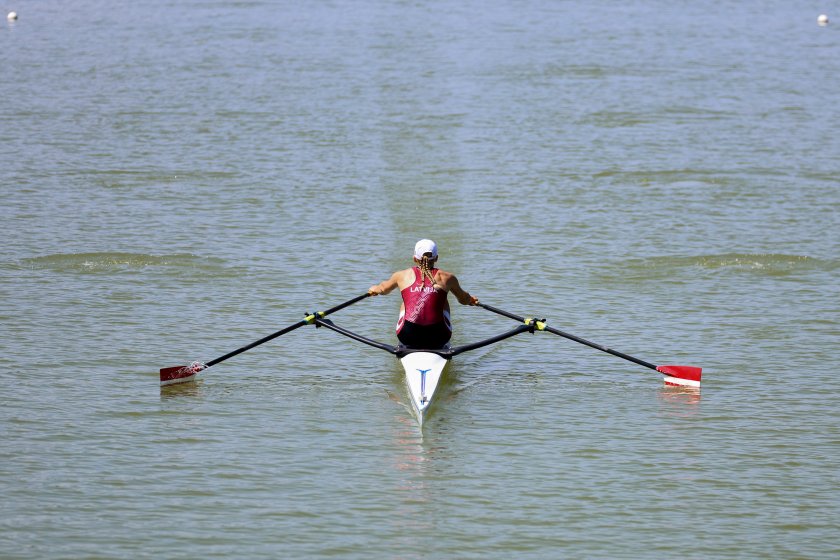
point(423, 371)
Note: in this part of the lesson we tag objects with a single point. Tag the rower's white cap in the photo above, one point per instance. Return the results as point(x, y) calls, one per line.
point(425, 246)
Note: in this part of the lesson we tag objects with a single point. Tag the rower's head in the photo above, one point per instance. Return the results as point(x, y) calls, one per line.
point(425, 249)
point(425, 255)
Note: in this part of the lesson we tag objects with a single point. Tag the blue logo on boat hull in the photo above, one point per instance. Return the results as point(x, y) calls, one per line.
point(423, 373)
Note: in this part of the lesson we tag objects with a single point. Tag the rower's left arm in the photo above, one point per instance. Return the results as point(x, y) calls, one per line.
point(463, 297)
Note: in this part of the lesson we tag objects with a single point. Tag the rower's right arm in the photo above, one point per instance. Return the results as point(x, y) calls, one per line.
point(387, 286)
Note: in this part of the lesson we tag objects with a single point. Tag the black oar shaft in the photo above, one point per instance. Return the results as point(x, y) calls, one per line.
point(502, 312)
point(309, 320)
point(600, 347)
point(343, 305)
point(571, 337)
point(257, 343)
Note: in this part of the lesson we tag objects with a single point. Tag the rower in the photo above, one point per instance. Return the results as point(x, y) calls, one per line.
point(424, 320)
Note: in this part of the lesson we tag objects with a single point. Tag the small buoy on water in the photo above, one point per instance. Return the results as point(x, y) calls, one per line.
point(822, 19)
point(12, 16)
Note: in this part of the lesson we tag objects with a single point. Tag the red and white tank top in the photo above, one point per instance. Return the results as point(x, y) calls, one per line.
point(424, 305)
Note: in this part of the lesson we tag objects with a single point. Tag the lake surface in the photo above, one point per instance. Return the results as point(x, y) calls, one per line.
point(179, 179)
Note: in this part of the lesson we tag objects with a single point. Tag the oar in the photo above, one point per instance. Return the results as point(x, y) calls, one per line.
point(688, 376)
point(182, 374)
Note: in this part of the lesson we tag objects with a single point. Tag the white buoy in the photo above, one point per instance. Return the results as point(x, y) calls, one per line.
point(12, 16)
point(822, 19)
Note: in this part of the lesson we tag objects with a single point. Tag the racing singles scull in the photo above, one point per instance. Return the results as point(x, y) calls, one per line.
point(424, 367)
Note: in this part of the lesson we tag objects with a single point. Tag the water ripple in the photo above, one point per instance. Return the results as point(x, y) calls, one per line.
point(105, 262)
point(760, 264)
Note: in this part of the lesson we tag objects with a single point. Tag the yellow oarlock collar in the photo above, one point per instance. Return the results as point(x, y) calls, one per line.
point(311, 318)
point(536, 323)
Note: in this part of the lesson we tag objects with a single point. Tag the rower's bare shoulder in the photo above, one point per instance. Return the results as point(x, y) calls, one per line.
point(404, 277)
point(446, 278)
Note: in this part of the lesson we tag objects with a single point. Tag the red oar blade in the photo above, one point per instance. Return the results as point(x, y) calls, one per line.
point(180, 374)
point(685, 376)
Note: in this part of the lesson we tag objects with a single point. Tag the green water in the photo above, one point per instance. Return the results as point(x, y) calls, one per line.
point(180, 179)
